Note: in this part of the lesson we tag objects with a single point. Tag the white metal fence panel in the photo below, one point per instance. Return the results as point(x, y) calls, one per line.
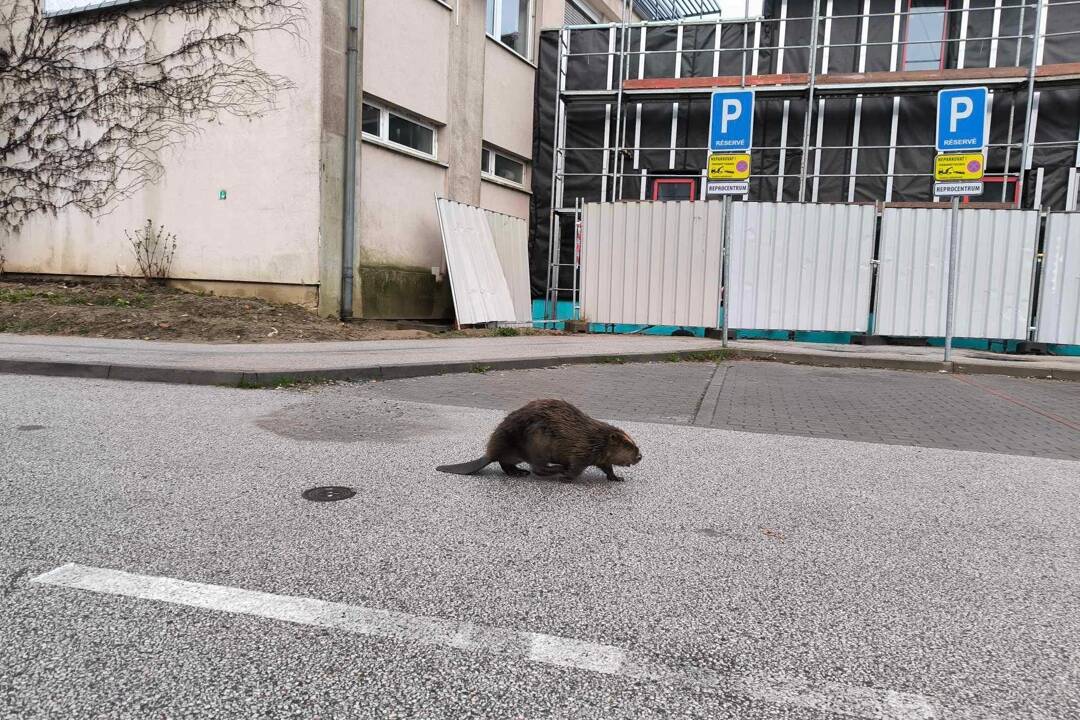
point(1059, 301)
point(477, 282)
point(511, 237)
point(801, 266)
point(994, 281)
point(652, 263)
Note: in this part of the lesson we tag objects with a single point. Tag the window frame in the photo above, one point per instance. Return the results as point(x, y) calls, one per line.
point(487, 170)
point(944, 45)
point(385, 111)
point(1006, 180)
point(661, 181)
point(496, 24)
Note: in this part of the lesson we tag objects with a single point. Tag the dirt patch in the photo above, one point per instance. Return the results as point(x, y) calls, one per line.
point(134, 309)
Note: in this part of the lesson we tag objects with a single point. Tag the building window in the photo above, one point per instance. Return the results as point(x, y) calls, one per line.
point(495, 164)
point(394, 127)
point(924, 47)
point(508, 22)
point(998, 188)
point(371, 120)
point(674, 189)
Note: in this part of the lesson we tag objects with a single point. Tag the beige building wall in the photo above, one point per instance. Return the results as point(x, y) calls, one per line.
point(420, 60)
point(266, 229)
point(278, 232)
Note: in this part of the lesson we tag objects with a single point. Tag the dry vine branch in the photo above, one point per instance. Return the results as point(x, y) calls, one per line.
point(88, 102)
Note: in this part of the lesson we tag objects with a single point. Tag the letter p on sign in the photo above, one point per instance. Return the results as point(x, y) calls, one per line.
point(960, 110)
point(732, 110)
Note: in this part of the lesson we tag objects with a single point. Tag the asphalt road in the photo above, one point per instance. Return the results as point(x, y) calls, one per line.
point(732, 575)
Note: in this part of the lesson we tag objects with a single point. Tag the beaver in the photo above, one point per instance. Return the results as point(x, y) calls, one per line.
point(554, 438)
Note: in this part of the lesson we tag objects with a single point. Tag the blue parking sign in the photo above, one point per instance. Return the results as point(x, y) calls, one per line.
point(961, 119)
point(731, 126)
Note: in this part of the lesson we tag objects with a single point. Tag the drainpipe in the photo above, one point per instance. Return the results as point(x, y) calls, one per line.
point(354, 43)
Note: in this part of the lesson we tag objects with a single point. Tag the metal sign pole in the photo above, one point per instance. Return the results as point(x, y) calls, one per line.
point(954, 258)
point(726, 269)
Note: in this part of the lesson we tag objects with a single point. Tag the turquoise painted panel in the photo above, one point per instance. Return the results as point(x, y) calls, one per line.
point(565, 311)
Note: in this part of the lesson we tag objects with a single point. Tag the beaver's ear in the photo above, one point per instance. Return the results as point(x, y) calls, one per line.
point(616, 438)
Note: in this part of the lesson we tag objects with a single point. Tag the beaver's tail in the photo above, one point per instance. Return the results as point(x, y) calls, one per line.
point(466, 468)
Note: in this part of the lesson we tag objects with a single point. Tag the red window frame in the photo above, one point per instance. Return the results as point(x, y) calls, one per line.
point(944, 36)
point(674, 181)
point(1000, 180)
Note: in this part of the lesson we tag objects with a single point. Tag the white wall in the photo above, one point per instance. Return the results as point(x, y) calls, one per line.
point(267, 228)
point(406, 46)
point(508, 100)
point(398, 224)
point(509, 201)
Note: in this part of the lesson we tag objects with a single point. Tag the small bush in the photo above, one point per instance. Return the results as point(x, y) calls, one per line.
point(505, 332)
point(154, 250)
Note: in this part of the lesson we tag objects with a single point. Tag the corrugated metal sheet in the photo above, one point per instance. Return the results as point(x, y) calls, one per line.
point(801, 266)
point(1059, 300)
point(481, 294)
point(997, 253)
point(511, 236)
point(652, 263)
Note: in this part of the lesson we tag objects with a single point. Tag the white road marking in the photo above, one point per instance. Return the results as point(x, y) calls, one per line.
point(860, 702)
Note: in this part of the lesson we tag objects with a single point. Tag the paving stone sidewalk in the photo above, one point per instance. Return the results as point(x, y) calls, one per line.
point(209, 364)
point(987, 413)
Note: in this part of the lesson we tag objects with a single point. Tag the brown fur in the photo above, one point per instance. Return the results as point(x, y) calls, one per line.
point(554, 438)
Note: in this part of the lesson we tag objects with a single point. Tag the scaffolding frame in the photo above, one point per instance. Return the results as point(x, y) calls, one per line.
point(812, 86)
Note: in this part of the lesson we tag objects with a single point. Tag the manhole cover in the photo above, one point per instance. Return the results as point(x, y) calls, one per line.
point(328, 493)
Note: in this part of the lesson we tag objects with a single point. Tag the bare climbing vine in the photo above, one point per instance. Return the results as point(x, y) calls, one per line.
point(89, 101)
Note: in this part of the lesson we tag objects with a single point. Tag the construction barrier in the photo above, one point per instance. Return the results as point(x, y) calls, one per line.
point(1059, 296)
point(652, 263)
point(995, 273)
point(811, 267)
point(801, 266)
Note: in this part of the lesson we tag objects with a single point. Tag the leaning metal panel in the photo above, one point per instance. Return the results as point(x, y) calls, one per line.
point(477, 282)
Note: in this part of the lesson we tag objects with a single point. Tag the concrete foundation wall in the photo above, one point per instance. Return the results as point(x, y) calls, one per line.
point(265, 231)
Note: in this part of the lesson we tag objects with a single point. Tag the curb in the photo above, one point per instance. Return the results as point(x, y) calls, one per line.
point(1017, 370)
point(240, 378)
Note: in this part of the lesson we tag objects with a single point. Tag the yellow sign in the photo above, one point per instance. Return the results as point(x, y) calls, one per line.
point(959, 166)
point(729, 166)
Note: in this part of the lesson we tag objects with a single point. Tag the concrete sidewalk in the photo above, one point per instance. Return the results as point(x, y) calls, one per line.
point(205, 364)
